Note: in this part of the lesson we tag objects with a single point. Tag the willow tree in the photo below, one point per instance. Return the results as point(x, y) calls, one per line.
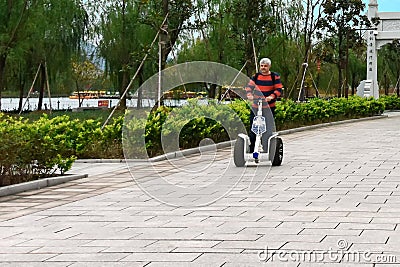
point(177, 12)
point(211, 38)
point(269, 29)
point(35, 32)
point(286, 44)
point(252, 22)
point(389, 64)
point(227, 32)
point(126, 30)
point(222, 32)
point(59, 34)
point(13, 19)
point(355, 66)
point(124, 41)
point(237, 32)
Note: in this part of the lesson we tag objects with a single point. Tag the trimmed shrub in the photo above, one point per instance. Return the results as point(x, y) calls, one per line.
point(41, 148)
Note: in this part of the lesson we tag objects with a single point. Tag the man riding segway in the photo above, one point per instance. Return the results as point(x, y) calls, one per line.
point(263, 90)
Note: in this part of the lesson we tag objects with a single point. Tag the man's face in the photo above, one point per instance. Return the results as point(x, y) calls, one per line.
point(264, 68)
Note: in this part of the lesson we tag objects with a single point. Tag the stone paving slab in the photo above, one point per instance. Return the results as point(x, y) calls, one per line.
point(337, 192)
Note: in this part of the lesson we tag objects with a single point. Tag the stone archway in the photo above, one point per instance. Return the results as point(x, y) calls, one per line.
point(387, 30)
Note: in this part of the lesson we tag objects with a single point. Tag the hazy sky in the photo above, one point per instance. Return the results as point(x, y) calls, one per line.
point(387, 5)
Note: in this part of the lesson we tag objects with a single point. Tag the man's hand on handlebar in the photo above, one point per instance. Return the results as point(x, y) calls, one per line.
point(251, 97)
point(269, 98)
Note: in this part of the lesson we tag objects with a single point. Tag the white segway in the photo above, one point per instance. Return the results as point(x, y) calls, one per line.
point(242, 146)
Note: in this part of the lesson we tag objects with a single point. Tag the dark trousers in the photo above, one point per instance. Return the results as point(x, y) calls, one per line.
point(268, 114)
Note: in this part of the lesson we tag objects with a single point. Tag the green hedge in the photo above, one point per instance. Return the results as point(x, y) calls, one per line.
point(34, 149)
point(43, 147)
point(391, 102)
point(289, 114)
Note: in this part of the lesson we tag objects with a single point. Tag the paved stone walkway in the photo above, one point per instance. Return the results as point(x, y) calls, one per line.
point(335, 200)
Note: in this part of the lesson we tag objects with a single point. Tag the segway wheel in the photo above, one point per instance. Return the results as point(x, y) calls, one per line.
point(238, 153)
point(276, 151)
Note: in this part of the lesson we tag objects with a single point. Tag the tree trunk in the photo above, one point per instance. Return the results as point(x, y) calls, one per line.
point(340, 64)
point(21, 93)
point(346, 85)
point(353, 83)
point(140, 92)
point(339, 90)
point(125, 63)
point(219, 88)
point(250, 57)
point(42, 86)
point(79, 94)
point(251, 13)
point(21, 79)
point(386, 84)
point(211, 93)
point(166, 44)
point(124, 85)
point(2, 74)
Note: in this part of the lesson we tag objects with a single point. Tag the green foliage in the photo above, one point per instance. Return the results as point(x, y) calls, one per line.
point(194, 122)
point(35, 149)
point(120, 32)
point(133, 135)
point(242, 109)
point(153, 129)
point(290, 114)
point(341, 19)
point(35, 32)
point(391, 102)
point(214, 121)
point(39, 148)
point(389, 64)
point(186, 126)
